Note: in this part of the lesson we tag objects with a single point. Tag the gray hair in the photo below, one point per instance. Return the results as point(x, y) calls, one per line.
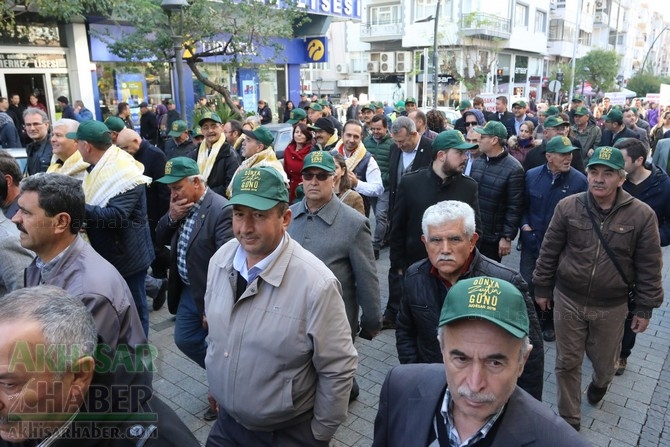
point(192, 178)
point(36, 111)
point(403, 122)
point(525, 342)
point(67, 325)
point(449, 211)
point(70, 124)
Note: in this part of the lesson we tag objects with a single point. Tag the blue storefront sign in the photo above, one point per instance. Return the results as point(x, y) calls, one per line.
point(316, 49)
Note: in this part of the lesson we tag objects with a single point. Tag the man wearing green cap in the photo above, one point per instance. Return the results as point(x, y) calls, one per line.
point(519, 109)
point(442, 180)
point(116, 209)
point(276, 320)
point(179, 144)
point(473, 398)
point(589, 295)
point(216, 158)
point(197, 224)
point(297, 116)
point(501, 191)
point(410, 105)
point(352, 262)
point(115, 125)
point(553, 126)
point(314, 112)
point(585, 131)
point(545, 186)
point(615, 129)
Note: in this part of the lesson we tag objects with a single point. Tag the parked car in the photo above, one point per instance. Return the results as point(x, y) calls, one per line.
point(283, 134)
point(449, 113)
point(20, 155)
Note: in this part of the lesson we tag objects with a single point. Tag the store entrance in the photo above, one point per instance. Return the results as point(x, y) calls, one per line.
point(25, 85)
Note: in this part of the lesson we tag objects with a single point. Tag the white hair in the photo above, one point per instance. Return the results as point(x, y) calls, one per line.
point(525, 343)
point(70, 124)
point(449, 211)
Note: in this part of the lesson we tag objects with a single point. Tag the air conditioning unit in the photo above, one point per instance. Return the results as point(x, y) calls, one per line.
point(403, 67)
point(342, 68)
point(600, 5)
point(373, 67)
point(403, 56)
point(387, 57)
point(387, 67)
point(374, 57)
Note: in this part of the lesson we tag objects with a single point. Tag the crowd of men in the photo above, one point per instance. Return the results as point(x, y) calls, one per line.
point(270, 294)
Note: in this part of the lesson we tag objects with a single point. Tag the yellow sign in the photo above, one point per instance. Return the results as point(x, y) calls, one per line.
point(316, 50)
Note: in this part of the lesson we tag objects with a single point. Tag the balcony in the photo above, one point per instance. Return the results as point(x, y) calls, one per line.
point(485, 26)
point(379, 32)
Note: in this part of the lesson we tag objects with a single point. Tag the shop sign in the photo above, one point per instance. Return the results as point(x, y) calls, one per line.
point(28, 60)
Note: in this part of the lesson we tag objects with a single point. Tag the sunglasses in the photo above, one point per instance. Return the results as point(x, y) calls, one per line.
point(321, 176)
point(470, 123)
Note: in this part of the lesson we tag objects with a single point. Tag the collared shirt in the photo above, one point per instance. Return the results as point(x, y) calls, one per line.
point(187, 225)
point(249, 274)
point(406, 161)
point(517, 123)
point(448, 420)
point(47, 267)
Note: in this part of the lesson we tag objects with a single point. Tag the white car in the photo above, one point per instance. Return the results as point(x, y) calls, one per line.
point(20, 155)
point(450, 113)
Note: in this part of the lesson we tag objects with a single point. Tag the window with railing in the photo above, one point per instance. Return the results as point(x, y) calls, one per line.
point(384, 15)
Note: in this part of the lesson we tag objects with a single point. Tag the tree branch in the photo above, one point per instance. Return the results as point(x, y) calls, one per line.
point(193, 65)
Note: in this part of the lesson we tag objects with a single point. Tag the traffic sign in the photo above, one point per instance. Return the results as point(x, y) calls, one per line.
point(554, 86)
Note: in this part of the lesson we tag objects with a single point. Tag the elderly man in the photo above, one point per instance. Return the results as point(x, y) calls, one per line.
point(450, 240)
point(116, 209)
point(216, 158)
point(49, 348)
point(545, 186)
point(483, 335)
point(267, 281)
point(320, 224)
point(501, 188)
point(553, 126)
point(325, 134)
point(11, 171)
point(589, 287)
point(39, 149)
point(180, 143)
point(52, 212)
point(443, 180)
point(67, 159)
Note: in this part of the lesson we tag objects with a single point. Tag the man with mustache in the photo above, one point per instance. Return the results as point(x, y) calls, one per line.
point(442, 180)
point(450, 240)
point(588, 287)
point(483, 335)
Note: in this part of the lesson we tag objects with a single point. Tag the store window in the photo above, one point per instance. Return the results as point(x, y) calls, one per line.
point(132, 83)
point(217, 74)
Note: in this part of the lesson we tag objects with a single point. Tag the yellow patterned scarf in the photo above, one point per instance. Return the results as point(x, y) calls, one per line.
point(115, 173)
point(74, 166)
point(205, 160)
point(355, 157)
point(266, 157)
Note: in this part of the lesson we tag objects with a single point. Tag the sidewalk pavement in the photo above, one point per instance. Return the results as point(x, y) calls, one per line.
point(633, 413)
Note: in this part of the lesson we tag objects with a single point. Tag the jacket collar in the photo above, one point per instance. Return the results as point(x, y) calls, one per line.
point(327, 213)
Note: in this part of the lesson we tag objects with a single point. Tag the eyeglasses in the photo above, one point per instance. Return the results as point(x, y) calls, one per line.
point(321, 176)
point(470, 123)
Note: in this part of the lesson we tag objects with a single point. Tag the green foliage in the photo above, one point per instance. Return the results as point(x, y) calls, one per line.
point(643, 83)
point(603, 68)
point(220, 107)
point(564, 68)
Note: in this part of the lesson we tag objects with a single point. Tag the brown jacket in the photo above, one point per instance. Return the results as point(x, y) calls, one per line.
point(573, 259)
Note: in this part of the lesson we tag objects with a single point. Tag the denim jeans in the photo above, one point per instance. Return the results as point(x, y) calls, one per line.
point(189, 335)
point(138, 290)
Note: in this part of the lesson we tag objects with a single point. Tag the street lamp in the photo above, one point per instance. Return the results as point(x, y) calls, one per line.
point(319, 82)
point(436, 18)
point(170, 6)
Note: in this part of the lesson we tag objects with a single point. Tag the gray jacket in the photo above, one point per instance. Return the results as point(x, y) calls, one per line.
point(340, 237)
point(15, 258)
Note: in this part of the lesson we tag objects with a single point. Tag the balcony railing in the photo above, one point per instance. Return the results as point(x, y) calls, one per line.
point(485, 26)
point(381, 31)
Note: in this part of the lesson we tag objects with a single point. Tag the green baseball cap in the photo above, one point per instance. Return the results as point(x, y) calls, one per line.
point(490, 299)
point(495, 128)
point(578, 98)
point(92, 131)
point(465, 104)
point(400, 104)
point(178, 128)
point(179, 168)
point(608, 156)
point(319, 159)
point(259, 188)
point(410, 100)
point(581, 111)
point(560, 145)
point(379, 105)
point(316, 106)
point(370, 107)
point(115, 124)
point(452, 139)
point(196, 131)
point(614, 115)
point(552, 111)
point(324, 103)
point(555, 121)
point(520, 103)
point(209, 116)
point(296, 116)
point(261, 134)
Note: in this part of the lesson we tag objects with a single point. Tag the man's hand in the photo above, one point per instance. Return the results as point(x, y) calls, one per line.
point(353, 179)
point(543, 303)
point(639, 324)
point(179, 208)
point(504, 247)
